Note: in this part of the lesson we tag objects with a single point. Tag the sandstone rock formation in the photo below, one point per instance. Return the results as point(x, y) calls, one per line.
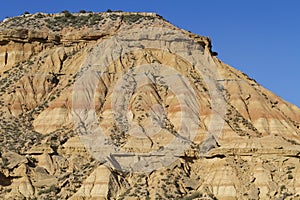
point(175, 121)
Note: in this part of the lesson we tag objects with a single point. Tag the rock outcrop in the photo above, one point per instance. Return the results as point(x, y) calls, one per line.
point(127, 106)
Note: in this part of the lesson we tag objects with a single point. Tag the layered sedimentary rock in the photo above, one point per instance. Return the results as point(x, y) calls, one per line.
point(176, 122)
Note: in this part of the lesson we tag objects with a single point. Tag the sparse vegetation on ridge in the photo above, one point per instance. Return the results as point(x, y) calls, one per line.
point(56, 22)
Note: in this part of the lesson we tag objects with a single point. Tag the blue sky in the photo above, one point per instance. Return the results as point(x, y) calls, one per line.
point(258, 37)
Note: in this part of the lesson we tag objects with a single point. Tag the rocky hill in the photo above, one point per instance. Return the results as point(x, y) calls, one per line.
point(127, 106)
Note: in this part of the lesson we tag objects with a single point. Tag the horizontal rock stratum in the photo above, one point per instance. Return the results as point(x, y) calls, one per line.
point(127, 106)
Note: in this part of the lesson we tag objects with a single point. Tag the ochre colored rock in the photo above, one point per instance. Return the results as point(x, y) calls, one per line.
point(96, 186)
point(124, 105)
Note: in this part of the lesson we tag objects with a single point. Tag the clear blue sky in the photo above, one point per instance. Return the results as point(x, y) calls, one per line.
point(258, 37)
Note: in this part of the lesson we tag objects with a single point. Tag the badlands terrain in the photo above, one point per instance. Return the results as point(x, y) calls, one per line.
point(127, 106)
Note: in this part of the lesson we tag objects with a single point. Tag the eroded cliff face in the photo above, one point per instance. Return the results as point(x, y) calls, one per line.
point(150, 86)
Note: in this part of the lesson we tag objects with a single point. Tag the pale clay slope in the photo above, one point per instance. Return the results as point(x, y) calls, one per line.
point(257, 156)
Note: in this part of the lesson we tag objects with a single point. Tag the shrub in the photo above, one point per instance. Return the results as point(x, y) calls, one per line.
point(214, 53)
point(67, 13)
point(282, 187)
point(95, 19)
point(39, 15)
point(132, 18)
